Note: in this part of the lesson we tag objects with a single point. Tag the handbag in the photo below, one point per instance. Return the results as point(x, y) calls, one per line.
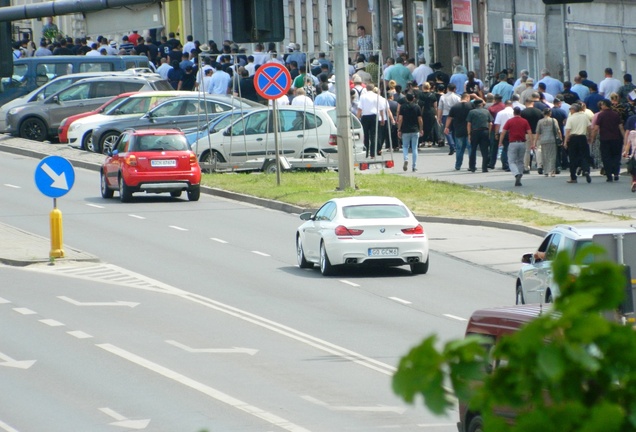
point(557, 140)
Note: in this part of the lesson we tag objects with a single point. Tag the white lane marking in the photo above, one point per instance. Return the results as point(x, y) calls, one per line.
point(234, 350)
point(455, 317)
point(136, 216)
point(24, 311)
point(178, 228)
point(202, 388)
point(399, 300)
point(12, 186)
point(124, 422)
point(436, 425)
point(116, 303)
point(217, 240)
point(51, 322)
point(79, 334)
point(260, 253)
point(95, 205)
point(9, 362)
point(6, 427)
point(377, 408)
point(3, 301)
point(344, 281)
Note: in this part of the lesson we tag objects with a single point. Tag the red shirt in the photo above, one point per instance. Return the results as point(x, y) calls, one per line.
point(517, 128)
point(133, 37)
point(495, 108)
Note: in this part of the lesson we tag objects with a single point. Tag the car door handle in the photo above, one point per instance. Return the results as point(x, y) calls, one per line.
point(259, 139)
point(300, 136)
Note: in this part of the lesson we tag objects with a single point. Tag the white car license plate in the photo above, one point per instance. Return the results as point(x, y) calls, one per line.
point(163, 163)
point(383, 252)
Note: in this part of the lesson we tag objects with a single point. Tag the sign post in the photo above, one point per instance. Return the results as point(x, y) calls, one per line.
point(54, 177)
point(272, 81)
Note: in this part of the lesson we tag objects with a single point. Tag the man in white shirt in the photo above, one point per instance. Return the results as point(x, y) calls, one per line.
point(161, 70)
point(500, 120)
point(609, 85)
point(369, 115)
point(220, 81)
point(301, 98)
point(94, 51)
point(189, 45)
point(446, 102)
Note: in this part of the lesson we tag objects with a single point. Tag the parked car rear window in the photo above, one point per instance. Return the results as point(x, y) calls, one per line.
point(96, 67)
point(374, 211)
point(157, 143)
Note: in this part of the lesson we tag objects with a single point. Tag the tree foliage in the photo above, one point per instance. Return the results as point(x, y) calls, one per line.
point(571, 369)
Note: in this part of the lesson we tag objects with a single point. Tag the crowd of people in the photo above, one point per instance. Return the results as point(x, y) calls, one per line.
point(526, 124)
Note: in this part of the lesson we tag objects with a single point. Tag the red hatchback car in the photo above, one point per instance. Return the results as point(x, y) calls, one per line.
point(151, 161)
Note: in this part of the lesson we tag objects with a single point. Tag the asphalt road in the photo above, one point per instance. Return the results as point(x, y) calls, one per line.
point(209, 278)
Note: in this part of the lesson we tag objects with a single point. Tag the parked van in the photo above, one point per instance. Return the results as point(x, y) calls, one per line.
point(32, 72)
point(492, 324)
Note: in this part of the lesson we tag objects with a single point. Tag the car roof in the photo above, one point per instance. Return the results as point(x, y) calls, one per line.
point(144, 132)
point(505, 319)
point(587, 232)
point(152, 93)
point(366, 200)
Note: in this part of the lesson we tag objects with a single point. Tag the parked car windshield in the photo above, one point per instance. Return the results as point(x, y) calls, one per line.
point(374, 211)
point(155, 143)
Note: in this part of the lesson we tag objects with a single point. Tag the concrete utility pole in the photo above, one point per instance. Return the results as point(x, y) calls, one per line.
point(343, 102)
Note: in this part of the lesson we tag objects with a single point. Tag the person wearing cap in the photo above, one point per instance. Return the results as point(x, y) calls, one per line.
point(576, 133)
point(358, 87)
point(517, 128)
point(362, 73)
point(479, 124)
point(527, 93)
point(295, 55)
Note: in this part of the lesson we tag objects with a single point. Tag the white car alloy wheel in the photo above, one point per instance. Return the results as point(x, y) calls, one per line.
point(325, 266)
point(300, 255)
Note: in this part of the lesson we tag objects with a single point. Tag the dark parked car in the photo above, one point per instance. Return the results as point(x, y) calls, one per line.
point(183, 113)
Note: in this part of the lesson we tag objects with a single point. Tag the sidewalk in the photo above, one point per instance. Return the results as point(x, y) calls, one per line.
point(486, 243)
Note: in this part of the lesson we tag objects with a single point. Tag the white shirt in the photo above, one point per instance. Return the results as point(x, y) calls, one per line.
point(302, 100)
point(260, 58)
point(281, 101)
point(251, 68)
point(161, 70)
point(608, 86)
point(93, 53)
point(219, 83)
point(369, 103)
point(421, 72)
point(447, 101)
point(189, 46)
point(503, 116)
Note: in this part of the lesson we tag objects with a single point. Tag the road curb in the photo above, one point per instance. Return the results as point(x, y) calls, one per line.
point(290, 208)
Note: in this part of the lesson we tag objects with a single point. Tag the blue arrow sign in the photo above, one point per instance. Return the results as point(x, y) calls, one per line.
point(54, 176)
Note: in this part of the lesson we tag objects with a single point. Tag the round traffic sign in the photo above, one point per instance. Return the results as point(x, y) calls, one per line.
point(54, 176)
point(272, 80)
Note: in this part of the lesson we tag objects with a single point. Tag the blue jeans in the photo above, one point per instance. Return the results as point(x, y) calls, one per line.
point(409, 140)
point(461, 145)
point(449, 137)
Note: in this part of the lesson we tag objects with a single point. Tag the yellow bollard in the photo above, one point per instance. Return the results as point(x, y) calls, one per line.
point(56, 234)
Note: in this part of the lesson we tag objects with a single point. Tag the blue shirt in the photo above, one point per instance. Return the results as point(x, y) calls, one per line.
point(459, 79)
point(504, 89)
point(592, 102)
point(581, 90)
point(326, 98)
point(552, 85)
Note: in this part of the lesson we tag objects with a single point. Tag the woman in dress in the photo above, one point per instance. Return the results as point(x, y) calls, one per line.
point(547, 133)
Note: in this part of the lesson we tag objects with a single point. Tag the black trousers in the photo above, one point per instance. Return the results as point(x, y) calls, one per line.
point(369, 123)
point(611, 151)
point(481, 139)
point(579, 153)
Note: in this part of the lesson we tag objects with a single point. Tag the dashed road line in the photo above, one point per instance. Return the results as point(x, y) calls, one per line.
point(79, 334)
point(6, 427)
point(344, 281)
point(96, 206)
point(24, 311)
point(178, 228)
point(455, 317)
point(4, 301)
point(136, 216)
point(51, 322)
point(12, 186)
point(260, 253)
point(218, 240)
point(399, 300)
